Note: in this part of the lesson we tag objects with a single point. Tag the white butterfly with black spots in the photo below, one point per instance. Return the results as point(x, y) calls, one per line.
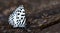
point(17, 18)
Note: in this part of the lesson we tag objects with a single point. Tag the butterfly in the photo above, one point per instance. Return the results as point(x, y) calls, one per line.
point(17, 18)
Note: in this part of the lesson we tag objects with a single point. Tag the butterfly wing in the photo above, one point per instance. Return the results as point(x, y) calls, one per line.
point(17, 18)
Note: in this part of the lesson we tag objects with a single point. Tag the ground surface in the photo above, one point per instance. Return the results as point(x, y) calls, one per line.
point(43, 16)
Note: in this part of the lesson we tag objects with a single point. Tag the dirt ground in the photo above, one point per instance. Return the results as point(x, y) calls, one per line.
point(42, 16)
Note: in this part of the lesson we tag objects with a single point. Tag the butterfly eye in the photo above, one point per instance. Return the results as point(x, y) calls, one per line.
point(18, 17)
